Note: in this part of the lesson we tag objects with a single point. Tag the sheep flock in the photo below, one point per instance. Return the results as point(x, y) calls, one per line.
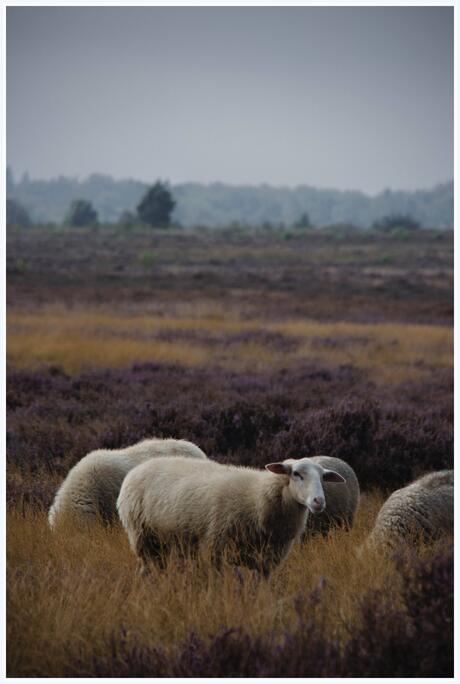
point(168, 494)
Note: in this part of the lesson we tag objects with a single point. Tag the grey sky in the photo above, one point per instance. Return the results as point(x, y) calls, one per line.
point(350, 98)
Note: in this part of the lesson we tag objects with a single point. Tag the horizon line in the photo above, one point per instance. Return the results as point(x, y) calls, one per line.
point(80, 178)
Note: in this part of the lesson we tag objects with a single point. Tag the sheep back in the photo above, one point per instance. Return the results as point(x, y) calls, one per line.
point(422, 510)
point(236, 510)
point(91, 488)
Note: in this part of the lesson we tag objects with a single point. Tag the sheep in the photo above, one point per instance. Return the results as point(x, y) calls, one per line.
point(90, 490)
point(423, 510)
point(341, 501)
point(253, 516)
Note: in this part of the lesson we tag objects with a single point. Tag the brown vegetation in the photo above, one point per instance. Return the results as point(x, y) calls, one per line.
point(368, 277)
point(69, 591)
point(83, 339)
point(256, 347)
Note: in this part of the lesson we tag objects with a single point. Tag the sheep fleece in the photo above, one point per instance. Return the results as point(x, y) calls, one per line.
point(342, 499)
point(166, 502)
point(425, 507)
point(91, 487)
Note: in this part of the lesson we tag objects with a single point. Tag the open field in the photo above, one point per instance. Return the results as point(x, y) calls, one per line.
point(77, 608)
point(257, 348)
point(340, 276)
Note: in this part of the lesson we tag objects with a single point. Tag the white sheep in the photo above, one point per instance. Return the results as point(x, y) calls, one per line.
point(342, 501)
point(422, 510)
point(252, 515)
point(91, 488)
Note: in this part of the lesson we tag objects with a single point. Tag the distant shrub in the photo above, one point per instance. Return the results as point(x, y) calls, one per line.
point(17, 215)
point(401, 233)
point(156, 206)
point(81, 214)
point(303, 222)
point(396, 222)
point(147, 259)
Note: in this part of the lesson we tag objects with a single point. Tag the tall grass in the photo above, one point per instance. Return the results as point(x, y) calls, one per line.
point(77, 339)
point(69, 592)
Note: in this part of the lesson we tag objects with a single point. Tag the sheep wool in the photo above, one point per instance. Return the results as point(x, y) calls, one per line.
point(90, 490)
point(422, 510)
point(342, 500)
point(253, 516)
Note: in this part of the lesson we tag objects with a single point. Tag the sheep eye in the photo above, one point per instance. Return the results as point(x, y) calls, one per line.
point(298, 475)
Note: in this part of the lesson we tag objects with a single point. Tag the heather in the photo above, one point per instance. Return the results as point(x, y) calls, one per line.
point(389, 435)
point(384, 642)
point(340, 275)
point(257, 347)
point(76, 607)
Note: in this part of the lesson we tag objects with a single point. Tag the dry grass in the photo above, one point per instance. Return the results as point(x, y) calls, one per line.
point(69, 591)
point(76, 339)
point(390, 352)
point(241, 305)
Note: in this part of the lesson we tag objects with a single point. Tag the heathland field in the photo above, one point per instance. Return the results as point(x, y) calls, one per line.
point(257, 347)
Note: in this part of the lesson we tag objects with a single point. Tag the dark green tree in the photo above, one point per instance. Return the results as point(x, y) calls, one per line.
point(81, 213)
point(16, 214)
point(303, 222)
point(156, 206)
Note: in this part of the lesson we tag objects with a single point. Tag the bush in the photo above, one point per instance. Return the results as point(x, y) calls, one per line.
point(81, 214)
point(156, 206)
point(147, 259)
point(17, 215)
point(396, 222)
point(303, 223)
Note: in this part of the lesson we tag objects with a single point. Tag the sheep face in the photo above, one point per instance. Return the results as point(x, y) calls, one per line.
point(306, 481)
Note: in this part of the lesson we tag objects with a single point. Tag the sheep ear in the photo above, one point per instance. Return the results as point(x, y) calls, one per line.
point(279, 468)
point(332, 476)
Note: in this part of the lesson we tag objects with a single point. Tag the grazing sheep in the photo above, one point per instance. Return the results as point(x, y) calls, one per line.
point(341, 501)
point(422, 510)
point(91, 487)
point(257, 514)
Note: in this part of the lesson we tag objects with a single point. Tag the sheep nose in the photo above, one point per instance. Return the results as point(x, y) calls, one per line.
point(319, 500)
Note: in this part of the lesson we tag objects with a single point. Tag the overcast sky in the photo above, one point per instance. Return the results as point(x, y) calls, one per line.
point(347, 98)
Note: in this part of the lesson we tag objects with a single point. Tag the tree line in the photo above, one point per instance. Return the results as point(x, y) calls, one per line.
point(154, 209)
point(219, 205)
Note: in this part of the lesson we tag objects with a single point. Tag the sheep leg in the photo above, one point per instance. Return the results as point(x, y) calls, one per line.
point(150, 548)
point(217, 553)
